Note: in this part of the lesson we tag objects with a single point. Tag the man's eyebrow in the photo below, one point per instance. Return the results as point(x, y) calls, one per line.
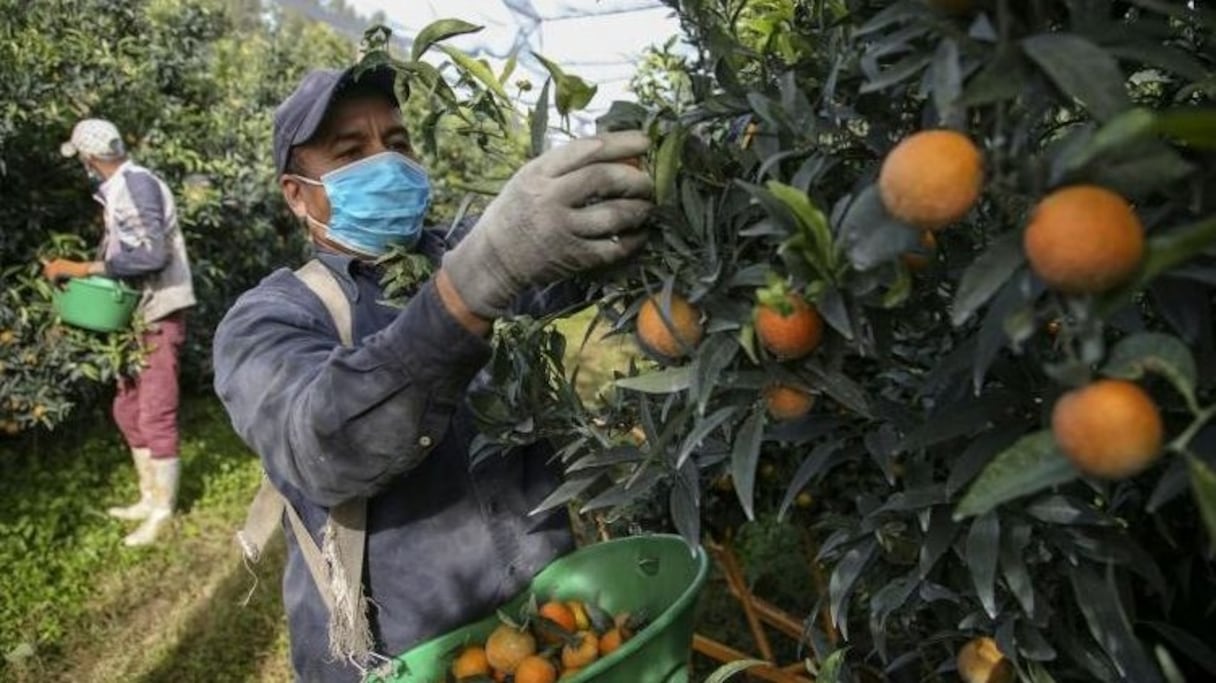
point(397, 129)
point(348, 135)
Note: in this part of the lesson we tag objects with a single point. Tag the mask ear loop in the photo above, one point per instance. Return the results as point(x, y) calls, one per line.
point(308, 216)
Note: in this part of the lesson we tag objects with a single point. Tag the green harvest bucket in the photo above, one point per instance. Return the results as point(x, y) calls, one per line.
point(653, 575)
point(96, 303)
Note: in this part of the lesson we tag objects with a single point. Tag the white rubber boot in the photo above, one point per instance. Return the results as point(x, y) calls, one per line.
point(165, 475)
point(143, 469)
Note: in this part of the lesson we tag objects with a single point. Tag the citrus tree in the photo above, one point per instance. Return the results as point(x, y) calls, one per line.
point(192, 85)
point(948, 267)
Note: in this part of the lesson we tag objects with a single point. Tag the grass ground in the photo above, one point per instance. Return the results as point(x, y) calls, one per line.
point(77, 606)
point(80, 607)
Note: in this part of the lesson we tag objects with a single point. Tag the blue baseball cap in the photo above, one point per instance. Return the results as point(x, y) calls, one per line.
point(299, 116)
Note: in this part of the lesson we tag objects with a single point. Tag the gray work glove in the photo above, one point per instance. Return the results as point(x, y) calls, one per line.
point(572, 209)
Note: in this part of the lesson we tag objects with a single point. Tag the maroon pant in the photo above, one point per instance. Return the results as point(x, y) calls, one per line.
point(146, 405)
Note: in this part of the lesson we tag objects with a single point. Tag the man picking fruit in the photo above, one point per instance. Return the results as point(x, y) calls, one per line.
point(144, 246)
point(396, 536)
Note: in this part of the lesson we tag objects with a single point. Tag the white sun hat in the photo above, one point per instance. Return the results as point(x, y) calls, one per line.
point(94, 138)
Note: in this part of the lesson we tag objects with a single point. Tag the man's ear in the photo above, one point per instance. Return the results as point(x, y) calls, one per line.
point(293, 193)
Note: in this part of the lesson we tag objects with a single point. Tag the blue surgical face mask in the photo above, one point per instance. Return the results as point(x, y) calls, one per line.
point(375, 203)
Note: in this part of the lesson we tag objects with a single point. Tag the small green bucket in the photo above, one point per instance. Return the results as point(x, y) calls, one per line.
point(96, 303)
point(653, 575)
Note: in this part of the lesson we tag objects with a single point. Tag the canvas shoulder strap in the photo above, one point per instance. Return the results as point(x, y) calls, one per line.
point(336, 565)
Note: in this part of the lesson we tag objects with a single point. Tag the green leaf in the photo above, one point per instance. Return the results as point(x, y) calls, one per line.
point(1030, 465)
point(897, 73)
point(728, 671)
point(616, 455)
point(437, 31)
point(644, 479)
point(1194, 126)
point(703, 429)
point(1100, 602)
point(1131, 126)
point(840, 387)
point(1165, 250)
point(1013, 565)
point(871, 237)
point(947, 79)
point(833, 667)
point(1188, 644)
point(1081, 70)
point(508, 68)
point(938, 538)
point(1169, 668)
point(1203, 486)
point(811, 465)
point(1142, 169)
point(883, 603)
point(563, 494)
point(539, 121)
point(844, 579)
point(1004, 78)
point(573, 93)
point(982, 547)
point(1036, 673)
point(1156, 352)
point(899, 291)
point(667, 165)
point(666, 381)
point(743, 459)
point(715, 356)
point(811, 221)
point(684, 504)
point(429, 77)
point(478, 69)
point(986, 275)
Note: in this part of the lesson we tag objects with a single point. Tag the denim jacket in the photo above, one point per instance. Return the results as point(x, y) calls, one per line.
point(387, 420)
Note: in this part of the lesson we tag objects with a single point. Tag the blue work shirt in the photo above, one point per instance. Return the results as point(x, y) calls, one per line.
point(386, 420)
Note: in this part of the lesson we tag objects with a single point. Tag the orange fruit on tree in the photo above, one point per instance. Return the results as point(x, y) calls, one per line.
point(535, 669)
point(1109, 428)
point(791, 333)
point(981, 661)
point(787, 403)
point(582, 651)
point(559, 613)
point(1084, 239)
point(507, 646)
point(931, 178)
point(471, 662)
point(672, 342)
point(917, 261)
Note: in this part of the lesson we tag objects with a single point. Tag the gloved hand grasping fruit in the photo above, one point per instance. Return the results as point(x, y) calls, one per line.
point(574, 208)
